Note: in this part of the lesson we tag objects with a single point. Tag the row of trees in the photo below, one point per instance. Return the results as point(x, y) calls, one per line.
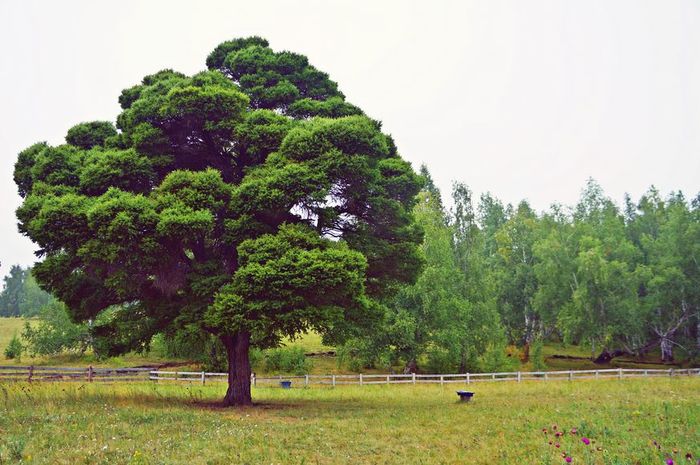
point(620, 281)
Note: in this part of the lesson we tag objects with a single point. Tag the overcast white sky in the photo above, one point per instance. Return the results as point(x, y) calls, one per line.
point(523, 98)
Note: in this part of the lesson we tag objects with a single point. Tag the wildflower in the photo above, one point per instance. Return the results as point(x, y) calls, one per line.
point(558, 434)
point(669, 461)
point(544, 430)
point(585, 440)
point(568, 459)
point(574, 430)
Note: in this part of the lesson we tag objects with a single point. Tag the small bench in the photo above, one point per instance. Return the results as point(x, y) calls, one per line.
point(465, 396)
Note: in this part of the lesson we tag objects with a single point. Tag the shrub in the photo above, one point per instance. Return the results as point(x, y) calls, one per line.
point(359, 353)
point(14, 349)
point(440, 360)
point(290, 360)
point(537, 356)
point(55, 332)
point(495, 359)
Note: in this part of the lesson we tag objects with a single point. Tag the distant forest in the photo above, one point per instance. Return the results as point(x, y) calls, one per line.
point(619, 280)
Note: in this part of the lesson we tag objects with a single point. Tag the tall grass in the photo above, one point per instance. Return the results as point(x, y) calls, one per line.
point(629, 422)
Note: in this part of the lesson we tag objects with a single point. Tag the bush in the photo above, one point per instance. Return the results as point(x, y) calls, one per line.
point(440, 360)
point(14, 349)
point(360, 353)
point(537, 356)
point(55, 332)
point(495, 359)
point(289, 360)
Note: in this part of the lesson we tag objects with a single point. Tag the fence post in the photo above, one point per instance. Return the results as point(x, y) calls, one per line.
point(31, 373)
point(646, 373)
point(518, 376)
point(360, 379)
point(91, 373)
point(204, 379)
point(493, 376)
point(333, 380)
point(467, 378)
point(545, 376)
point(442, 380)
point(306, 380)
point(255, 379)
point(387, 379)
point(597, 374)
point(619, 373)
point(414, 377)
point(670, 372)
point(571, 375)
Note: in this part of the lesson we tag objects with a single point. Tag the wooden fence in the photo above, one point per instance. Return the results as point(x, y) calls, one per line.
point(203, 377)
point(90, 374)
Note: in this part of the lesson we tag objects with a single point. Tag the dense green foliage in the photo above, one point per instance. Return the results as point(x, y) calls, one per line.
point(55, 333)
point(291, 360)
point(618, 282)
point(14, 349)
point(250, 200)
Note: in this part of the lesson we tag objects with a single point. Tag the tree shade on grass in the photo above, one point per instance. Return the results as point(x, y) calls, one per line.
point(249, 199)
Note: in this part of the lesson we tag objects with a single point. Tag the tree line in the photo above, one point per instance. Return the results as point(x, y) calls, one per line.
point(620, 280)
point(617, 280)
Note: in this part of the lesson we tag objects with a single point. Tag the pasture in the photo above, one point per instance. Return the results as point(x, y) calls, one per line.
point(627, 421)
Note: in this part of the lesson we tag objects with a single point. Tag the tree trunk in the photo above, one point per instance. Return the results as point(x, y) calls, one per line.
point(411, 367)
point(526, 352)
point(666, 349)
point(237, 348)
point(462, 363)
point(606, 356)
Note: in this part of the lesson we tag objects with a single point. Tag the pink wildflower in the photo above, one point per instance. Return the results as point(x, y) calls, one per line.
point(585, 440)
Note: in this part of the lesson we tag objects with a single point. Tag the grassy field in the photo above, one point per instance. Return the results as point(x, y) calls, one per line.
point(628, 422)
point(8, 328)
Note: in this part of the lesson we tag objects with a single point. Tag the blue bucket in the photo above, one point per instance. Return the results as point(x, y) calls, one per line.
point(286, 384)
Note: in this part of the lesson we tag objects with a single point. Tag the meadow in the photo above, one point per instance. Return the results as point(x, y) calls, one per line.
point(8, 328)
point(627, 422)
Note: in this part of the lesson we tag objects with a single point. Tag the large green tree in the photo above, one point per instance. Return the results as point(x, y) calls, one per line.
point(250, 199)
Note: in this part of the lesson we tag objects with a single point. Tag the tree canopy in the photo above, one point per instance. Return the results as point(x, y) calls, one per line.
point(250, 199)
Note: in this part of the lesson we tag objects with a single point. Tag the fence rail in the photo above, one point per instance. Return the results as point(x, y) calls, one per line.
point(90, 374)
point(463, 378)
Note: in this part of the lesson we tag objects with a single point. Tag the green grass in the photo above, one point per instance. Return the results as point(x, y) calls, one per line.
point(8, 328)
point(310, 342)
point(179, 424)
